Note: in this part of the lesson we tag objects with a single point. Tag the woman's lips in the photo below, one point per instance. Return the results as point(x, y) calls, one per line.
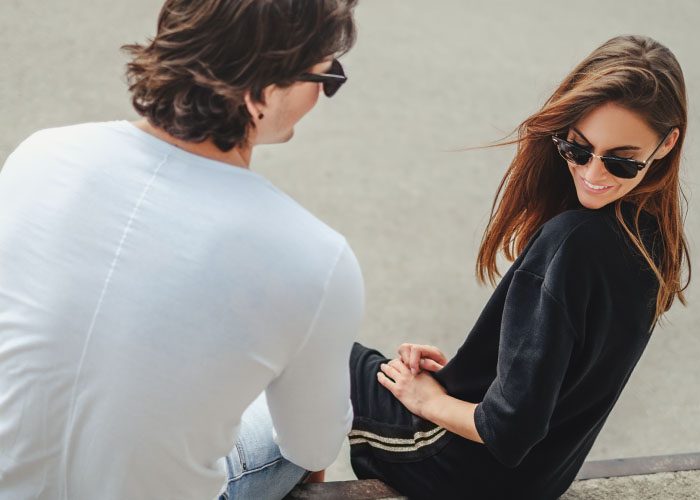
point(594, 188)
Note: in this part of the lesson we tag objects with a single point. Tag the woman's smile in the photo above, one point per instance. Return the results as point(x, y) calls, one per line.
point(595, 188)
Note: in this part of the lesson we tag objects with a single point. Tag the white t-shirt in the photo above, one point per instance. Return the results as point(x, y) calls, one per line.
point(147, 296)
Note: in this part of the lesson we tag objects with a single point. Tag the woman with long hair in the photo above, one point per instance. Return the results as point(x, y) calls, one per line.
point(590, 211)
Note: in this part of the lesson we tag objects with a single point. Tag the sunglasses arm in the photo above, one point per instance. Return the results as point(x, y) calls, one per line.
point(651, 156)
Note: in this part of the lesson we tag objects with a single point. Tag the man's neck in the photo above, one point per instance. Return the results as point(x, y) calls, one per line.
point(238, 156)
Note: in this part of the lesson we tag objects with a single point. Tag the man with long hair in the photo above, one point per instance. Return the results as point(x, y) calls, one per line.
point(153, 287)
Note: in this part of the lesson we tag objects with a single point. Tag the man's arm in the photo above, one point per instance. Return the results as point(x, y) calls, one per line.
point(310, 401)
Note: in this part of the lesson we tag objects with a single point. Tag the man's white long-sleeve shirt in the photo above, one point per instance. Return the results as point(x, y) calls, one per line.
point(147, 296)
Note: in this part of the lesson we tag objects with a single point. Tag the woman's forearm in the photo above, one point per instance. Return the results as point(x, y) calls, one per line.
point(422, 395)
point(453, 414)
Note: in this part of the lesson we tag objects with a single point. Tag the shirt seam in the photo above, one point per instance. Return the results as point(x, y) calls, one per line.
point(578, 334)
point(481, 419)
point(88, 336)
point(559, 304)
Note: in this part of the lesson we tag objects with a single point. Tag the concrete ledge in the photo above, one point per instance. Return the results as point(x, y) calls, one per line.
point(661, 486)
point(369, 489)
point(639, 466)
point(639, 478)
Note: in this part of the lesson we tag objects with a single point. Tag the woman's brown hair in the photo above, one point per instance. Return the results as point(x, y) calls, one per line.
point(191, 79)
point(635, 72)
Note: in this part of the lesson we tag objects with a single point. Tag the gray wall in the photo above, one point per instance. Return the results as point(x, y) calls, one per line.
point(377, 161)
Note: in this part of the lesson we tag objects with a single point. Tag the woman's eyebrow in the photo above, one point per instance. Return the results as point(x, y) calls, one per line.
point(619, 148)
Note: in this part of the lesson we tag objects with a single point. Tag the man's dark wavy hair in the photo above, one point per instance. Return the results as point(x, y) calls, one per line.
point(190, 80)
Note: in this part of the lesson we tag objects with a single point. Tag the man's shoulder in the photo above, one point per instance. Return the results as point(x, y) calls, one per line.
point(299, 218)
point(247, 209)
point(296, 227)
point(51, 140)
point(76, 130)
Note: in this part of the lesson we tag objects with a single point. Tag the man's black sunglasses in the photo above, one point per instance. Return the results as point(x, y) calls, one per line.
point(332, 80)
point(625, 168)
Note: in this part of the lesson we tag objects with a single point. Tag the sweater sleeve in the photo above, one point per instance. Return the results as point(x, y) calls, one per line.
point(310, 401)
point(536, 342)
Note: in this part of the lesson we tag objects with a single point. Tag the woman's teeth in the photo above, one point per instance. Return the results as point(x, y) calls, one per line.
point(594, 186)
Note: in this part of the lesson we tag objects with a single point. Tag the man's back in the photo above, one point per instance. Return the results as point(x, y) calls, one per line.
point(147, 296)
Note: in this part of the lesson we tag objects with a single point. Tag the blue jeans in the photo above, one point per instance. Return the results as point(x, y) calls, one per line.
point(256, 468)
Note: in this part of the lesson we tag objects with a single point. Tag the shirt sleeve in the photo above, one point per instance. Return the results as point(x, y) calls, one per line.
point(536, 342)
point(310, 401)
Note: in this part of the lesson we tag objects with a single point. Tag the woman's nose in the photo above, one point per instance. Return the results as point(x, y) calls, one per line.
point(596, 170)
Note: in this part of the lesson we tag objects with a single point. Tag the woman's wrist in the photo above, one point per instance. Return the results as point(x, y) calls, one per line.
point(434, 408)
point(453, 414)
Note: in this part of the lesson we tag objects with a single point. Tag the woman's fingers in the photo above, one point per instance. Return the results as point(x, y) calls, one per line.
point(419, 357)
point(414, 359)
point(391, 374)
point(432, 352)
point(430, 365)
point(389, 371)
point(385, 381)
point(388, 384)
point(399, 366)
point(405, 353)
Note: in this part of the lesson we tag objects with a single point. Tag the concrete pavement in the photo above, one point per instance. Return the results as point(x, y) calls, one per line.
point(375, 161)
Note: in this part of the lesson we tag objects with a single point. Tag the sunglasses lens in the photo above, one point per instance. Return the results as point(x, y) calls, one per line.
point(573, 154)
point(330, 87)
point(621, 168)
point(336, 68)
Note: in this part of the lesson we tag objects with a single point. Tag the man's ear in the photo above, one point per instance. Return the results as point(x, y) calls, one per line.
point(258, 107)
point(669, 143)
point(254, 107)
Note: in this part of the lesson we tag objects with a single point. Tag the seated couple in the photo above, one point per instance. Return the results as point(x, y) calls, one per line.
point(174, 326)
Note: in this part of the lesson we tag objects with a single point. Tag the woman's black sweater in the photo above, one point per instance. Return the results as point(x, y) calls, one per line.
point(552, 350)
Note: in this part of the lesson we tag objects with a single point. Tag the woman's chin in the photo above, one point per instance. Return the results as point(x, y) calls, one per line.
point(592, 203)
